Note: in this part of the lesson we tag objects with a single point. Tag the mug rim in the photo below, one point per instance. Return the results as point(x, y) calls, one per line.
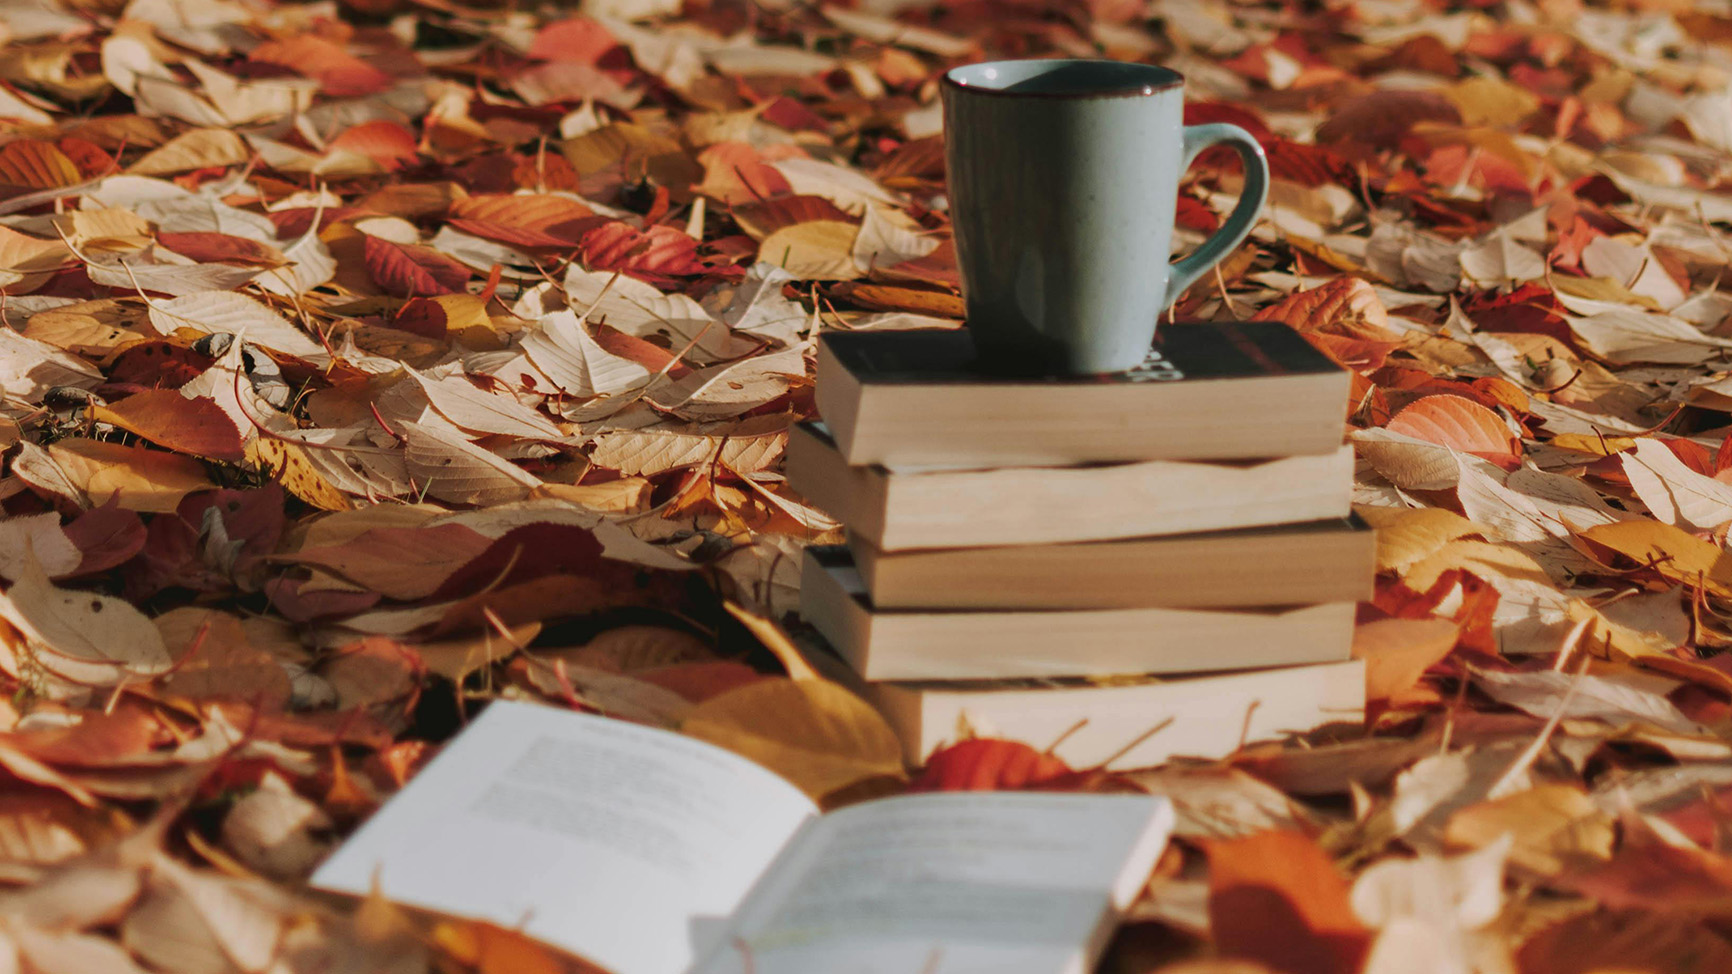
point(1165, 79)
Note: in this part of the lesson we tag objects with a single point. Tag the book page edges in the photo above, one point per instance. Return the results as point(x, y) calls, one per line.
point(926, 716)
point(1044, 505)
point(1209, 419)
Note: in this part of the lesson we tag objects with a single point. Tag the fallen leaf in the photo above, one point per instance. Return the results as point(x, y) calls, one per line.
point(168, 419)
point(1275, 898)
point(815, 733)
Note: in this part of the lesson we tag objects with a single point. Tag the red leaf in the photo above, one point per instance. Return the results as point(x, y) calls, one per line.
point(577, 39)
point(89, 157)
point(413, 271)
point(169, 419)
point(1275, 898)
point(161, 364)
point(989, 764)
point(422, 316)
point(529, 552)
point(654, 255)
point(106, 535)
point(286, 597)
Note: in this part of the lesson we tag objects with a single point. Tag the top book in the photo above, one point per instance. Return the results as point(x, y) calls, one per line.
point(1216, 391)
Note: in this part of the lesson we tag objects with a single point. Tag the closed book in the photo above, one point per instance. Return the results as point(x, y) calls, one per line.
point(1117, 725)
point(1293, 564)
point(927, 507)
point(1218, 391)
point(995, 644)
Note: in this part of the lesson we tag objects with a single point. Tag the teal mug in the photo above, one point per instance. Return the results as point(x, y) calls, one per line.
point(1063, 180)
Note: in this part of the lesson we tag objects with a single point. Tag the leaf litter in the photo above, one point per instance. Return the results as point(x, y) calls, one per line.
point(319, 322)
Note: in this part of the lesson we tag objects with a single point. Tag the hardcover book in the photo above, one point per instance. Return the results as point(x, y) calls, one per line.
point(925, 507)
point(989, 644)
point(1217, 391)
point(1293, 564)
point(647, 852)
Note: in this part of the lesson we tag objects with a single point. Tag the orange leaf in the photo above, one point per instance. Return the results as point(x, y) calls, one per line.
point(989, 764)
point(531, 220)
point(386, 143)
point(36, 165)
point(337, 71)
point(735, 173)
point(1460, 424)
point(1274, 897)
point(171, 420)
point(1347, 307)
point(1397, 652)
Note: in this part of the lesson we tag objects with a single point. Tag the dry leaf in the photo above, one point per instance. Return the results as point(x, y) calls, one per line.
point(815, 733)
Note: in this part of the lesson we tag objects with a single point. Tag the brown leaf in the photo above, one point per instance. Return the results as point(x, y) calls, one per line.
point(401, 563)
point(1619, 941)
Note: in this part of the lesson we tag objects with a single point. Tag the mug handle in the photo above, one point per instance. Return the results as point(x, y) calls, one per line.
point(1244, 216)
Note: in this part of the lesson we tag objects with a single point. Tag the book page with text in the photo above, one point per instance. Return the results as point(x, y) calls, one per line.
point(1006, 883)
point(626, 845)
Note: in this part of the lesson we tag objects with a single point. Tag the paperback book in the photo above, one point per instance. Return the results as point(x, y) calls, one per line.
point(998, 644)
point(928, 507)
point(1294, 564)
point(647, 852)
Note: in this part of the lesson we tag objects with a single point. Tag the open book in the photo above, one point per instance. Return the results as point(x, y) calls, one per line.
point(647, 852)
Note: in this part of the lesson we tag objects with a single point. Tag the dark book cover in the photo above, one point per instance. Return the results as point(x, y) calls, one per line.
point(1213, 350)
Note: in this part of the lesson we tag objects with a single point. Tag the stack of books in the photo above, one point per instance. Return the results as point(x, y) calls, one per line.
point(1119, 569)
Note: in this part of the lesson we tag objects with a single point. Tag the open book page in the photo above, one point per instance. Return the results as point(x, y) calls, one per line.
point(1006, 883)
point(625, 845)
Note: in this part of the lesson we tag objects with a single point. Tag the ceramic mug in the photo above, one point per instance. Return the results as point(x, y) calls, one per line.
point(1063, 180)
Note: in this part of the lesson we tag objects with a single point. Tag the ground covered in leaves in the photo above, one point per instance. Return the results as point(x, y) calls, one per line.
point(362, 362)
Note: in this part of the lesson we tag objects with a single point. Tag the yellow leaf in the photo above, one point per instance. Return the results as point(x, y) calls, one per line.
point(1553, 825)
point(1488, 561)
point(197, 149)
point(1487, 100)
point(145, 480)
point(1599, 446)
point(289, 464)
point(814, 733)
point(1406, 536)
point(1675, 554)
point(817, 250)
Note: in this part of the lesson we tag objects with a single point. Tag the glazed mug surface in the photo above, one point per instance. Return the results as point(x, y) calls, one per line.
point(1063, 181)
